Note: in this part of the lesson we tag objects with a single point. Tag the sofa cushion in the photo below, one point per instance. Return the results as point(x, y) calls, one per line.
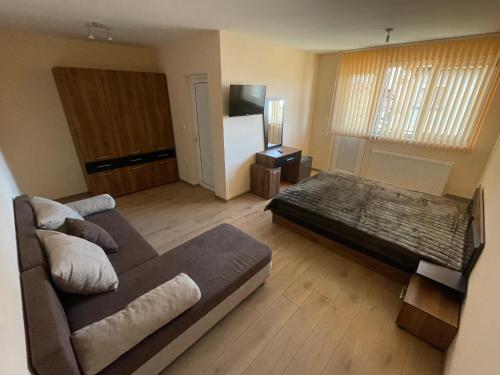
point(93, 205)
point(29, 247)
point(101, 343)
point(77, 265)
point(134, 249)
point(219, 262)
point(91, 232)
point(51, 214)
point(50, 349)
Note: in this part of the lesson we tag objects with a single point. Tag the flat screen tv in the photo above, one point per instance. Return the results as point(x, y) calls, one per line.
point(246, 100)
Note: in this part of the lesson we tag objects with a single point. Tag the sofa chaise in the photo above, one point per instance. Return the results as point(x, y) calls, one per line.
point(225, 263)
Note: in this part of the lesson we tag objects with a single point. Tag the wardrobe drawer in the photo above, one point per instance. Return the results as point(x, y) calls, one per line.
point(115, 182)
point(142, 176)
point(166, 171)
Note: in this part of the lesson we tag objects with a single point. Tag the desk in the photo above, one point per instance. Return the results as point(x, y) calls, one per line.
point(288, 159)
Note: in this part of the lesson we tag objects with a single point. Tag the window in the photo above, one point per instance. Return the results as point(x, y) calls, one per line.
point(431, 94)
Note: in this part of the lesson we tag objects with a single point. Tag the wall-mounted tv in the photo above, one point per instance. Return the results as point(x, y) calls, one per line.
point(246, 100)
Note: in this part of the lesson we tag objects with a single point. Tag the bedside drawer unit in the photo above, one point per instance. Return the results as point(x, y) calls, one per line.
point(264, 182)
point(430, 311)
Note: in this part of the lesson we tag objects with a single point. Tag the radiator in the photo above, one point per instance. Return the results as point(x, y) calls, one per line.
point(411, 172)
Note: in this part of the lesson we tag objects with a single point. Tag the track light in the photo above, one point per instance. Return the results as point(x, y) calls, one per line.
point(99, 26)
point(388, 37)
point(89, 34)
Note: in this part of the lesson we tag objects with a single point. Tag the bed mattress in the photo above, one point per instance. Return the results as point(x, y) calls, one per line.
point(395, 225)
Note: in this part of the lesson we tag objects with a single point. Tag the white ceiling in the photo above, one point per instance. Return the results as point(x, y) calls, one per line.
point(318, 25)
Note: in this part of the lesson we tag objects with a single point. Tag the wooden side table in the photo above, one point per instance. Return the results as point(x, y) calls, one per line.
point(430, 311)
point(288, 158)
point(264, 182)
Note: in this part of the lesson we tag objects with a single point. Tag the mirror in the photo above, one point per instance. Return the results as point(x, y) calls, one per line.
point(273, 122)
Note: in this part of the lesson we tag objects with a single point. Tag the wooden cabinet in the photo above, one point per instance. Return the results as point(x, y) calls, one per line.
point(430, 311)
point(264, 182)
point(114, 117)
point(288, 158)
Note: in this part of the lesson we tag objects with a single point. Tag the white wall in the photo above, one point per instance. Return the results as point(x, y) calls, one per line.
point(196, 55)
point(34, 133)
point(243, 137)
point(476, 349)
point(286, 72)
point(13, 357)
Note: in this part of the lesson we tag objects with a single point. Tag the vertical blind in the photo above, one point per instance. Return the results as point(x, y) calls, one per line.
point(432, 93)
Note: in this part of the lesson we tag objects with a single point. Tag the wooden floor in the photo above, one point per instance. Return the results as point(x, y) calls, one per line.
point(317, 314)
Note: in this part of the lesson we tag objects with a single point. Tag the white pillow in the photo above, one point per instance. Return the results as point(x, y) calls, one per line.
point(51, 214)
point(77, 265)
point(100, 343)
point(93, 205)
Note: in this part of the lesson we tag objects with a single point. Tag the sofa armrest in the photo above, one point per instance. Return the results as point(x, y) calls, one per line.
point(47, 330)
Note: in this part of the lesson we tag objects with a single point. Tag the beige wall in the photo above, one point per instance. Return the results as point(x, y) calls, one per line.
point(180, 60)
point(321, 141)
point(286, 72)
point(468, 166)
point(476, 349)
point(12, 338)
point(34, 134)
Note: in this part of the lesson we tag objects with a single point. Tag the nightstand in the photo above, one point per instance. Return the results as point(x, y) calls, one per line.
point(264, 182)
point(430, 311)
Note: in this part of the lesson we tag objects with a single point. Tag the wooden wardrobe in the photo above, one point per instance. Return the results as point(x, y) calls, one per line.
point(121, 126)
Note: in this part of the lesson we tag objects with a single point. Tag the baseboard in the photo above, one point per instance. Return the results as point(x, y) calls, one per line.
point(236, 196)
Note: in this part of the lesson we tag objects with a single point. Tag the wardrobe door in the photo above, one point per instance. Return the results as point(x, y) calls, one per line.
point(85, 105)
point(159, 110)
point(128, 98)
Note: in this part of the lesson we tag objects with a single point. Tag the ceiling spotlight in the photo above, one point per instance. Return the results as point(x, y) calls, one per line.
point(388, 37)
point(89, 34)
point(99, 28)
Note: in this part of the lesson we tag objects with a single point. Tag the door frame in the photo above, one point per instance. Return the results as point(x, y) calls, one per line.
point(193, 80)
point(359, 157)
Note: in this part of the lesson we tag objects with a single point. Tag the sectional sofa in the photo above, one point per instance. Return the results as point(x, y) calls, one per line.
point(225, 263)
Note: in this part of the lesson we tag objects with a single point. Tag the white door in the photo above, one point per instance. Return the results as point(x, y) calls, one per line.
point(347, 154)
point(201, 113)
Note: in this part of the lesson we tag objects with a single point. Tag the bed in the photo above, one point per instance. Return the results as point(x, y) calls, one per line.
point(393, 225)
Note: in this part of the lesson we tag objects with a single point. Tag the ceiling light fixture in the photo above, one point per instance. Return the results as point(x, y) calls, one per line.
point(388, 37)
point(89, 34)
point(98, 27)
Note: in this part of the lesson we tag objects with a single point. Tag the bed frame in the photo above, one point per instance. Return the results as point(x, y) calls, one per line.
point(453, 279)
point(344, 251)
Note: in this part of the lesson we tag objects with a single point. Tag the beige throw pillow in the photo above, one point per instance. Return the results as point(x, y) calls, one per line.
point(77, 265)
point(102, 342)
point(51, 214)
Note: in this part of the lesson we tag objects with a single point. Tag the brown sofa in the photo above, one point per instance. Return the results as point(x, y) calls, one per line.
point(224, 262)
